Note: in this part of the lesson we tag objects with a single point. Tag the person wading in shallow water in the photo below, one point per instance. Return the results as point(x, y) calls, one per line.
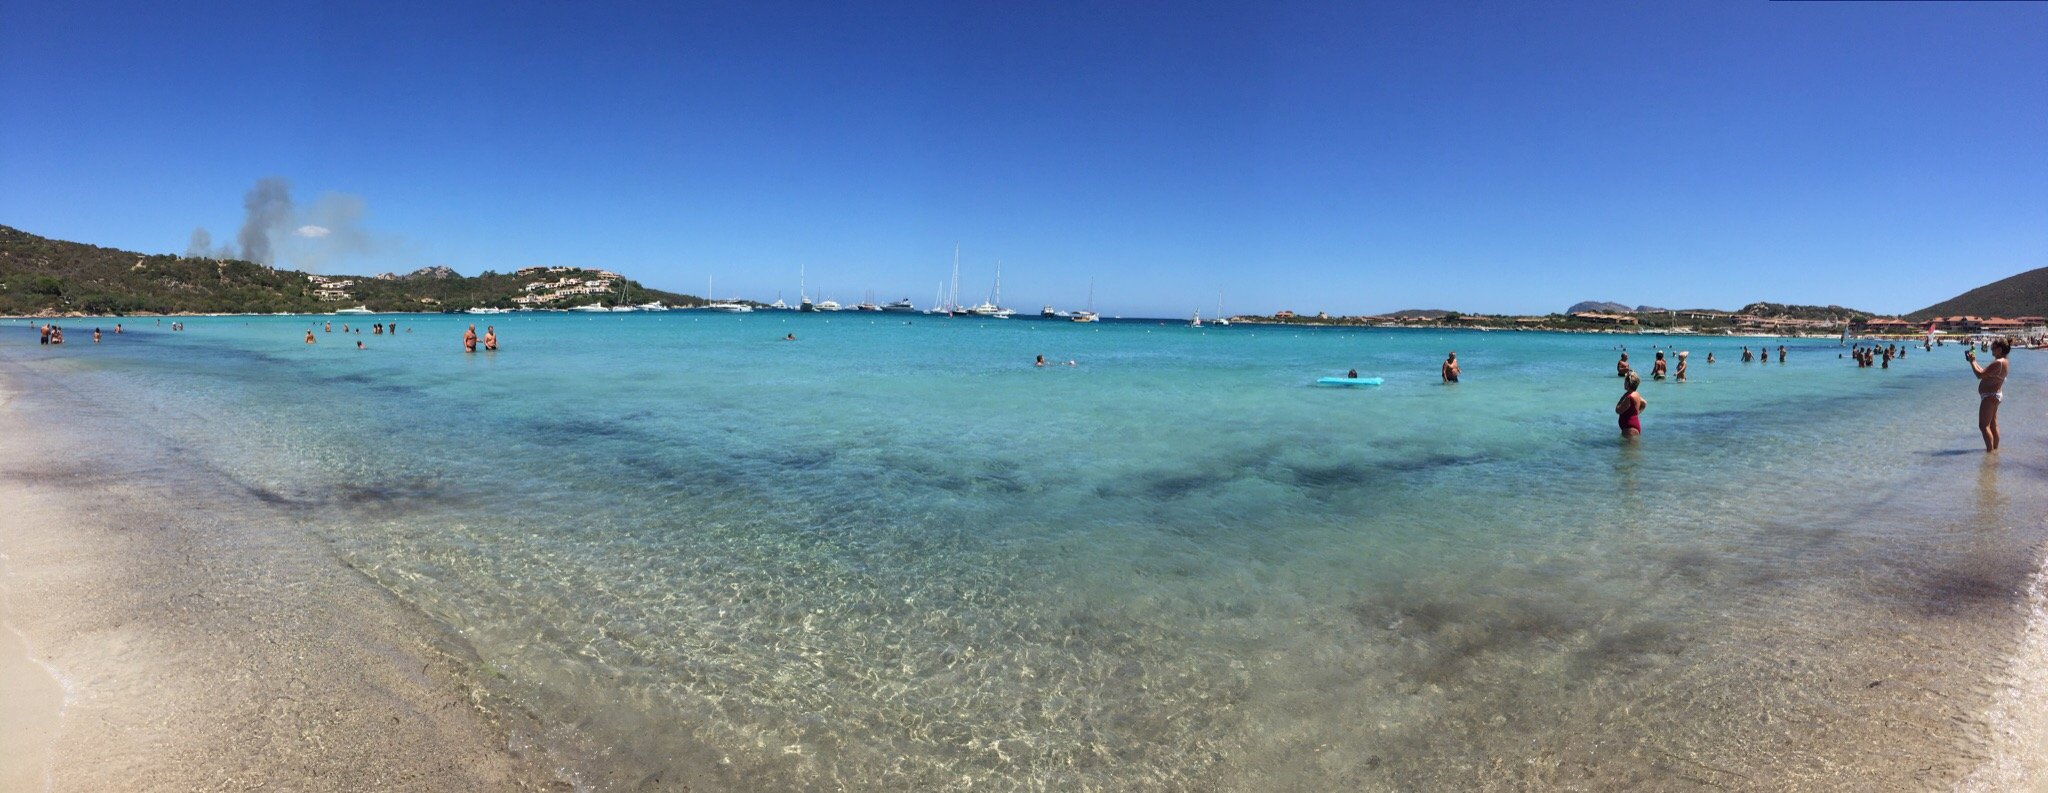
point(1631, 406)
point(1990, 390)
point(1451, 370)
point(469, 339)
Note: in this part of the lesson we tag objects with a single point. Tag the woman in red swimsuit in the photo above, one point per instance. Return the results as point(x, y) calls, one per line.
point(1631, 407)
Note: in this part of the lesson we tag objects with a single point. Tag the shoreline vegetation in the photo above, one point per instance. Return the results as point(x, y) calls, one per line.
point(45, 278)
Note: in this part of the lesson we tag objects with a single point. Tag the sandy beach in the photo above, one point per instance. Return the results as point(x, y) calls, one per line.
point(146, 649)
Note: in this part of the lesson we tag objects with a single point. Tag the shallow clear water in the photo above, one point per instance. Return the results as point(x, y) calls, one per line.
point(895, 555)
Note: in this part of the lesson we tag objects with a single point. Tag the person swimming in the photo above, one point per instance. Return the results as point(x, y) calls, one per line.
point(790, 337)
point(1450, 369)
point(1040, 363)
point(1990, 390)
point(1630, 409)
point(1351, 375)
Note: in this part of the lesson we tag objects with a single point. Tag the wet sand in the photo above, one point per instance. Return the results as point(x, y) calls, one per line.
point(150, 645)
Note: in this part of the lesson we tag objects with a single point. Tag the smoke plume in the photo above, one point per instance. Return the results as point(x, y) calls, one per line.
point(276, 231)
point(201, 245)
point(268, 208)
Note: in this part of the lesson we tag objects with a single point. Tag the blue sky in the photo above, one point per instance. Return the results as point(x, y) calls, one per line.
point(1349, 157)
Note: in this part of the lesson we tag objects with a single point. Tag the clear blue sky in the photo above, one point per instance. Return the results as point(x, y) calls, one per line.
point(1350, 157)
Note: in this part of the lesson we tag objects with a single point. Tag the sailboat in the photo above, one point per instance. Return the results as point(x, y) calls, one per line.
point(992, 307)
point(1220, 318)
point(1198, 319)
point(1088, 314)
point(728, 306)
point(623, 306)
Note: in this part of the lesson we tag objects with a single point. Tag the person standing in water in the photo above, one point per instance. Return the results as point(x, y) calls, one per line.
point(469, 339)
point(1630, 408)
point(1681, 365)
point(1450, 369)
point(1781, 353)
point(1621, 367)
point(309, 337)
point(491, 338)
point(1657, 368)
point(1990, 390)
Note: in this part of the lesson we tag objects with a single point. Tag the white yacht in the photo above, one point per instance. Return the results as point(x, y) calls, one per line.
point(654, 306)
point(484, 310)
point(356, 310)
point(594, 308)
point(730, 307)
point(828, 305)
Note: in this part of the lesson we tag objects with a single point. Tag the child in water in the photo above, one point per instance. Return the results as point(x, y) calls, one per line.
point(1631, 406)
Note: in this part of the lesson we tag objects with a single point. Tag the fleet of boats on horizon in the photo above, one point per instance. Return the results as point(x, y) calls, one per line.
point(945, 303)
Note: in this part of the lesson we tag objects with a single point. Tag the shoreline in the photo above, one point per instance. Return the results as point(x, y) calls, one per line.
point(219, 646)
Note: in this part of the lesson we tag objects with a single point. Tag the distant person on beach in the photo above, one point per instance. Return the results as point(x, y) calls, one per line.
point(1621, 367)
point(309, 338)
point(491, 338)
point(1657, 367)
point(1450, 369)
point(1990, 390)
point(1631, 406)
point(1681, 365)
point(469, 339)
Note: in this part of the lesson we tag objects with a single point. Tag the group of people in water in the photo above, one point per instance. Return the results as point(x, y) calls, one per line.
point(48, 333)
point(490, 339)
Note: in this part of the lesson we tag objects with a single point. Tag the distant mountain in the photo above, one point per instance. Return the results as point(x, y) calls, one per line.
point(46, 276)
point(2023, 295)
point(1651, 310)
point(1599, 307)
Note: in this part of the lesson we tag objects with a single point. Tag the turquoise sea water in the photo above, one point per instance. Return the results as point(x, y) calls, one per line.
point(894, 555)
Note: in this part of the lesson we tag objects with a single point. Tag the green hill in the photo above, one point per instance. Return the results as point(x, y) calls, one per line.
point(2023, 295)
point(45, 276)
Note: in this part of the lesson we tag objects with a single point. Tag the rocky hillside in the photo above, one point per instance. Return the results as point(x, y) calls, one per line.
point(45, 276)
point(2023, 295)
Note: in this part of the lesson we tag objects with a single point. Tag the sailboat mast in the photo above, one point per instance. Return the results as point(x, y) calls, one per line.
point(953, 299)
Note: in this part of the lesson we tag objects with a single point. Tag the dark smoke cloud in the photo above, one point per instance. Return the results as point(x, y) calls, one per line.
point(275, 231)
point(269, 210)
